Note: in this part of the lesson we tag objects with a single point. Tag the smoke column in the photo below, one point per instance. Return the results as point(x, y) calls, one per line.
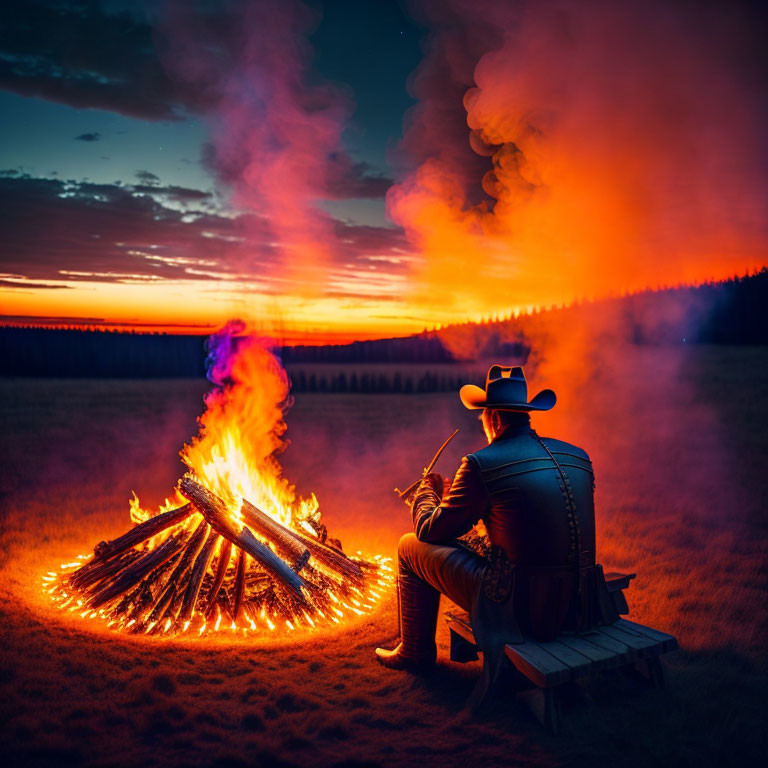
point(275, 136)
point(605, 147)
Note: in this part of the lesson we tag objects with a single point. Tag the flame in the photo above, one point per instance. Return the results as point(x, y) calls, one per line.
point(235, 456)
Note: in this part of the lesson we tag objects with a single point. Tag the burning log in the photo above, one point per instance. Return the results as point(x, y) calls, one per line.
point(294, 541)
point(202, 561)
point(93, 571)
point(111, 557)
point(136, 572)
point(190, 552)
point(215, 512)
point(283, 538)
point(332, 558)
point(137, 604)
point(218, 580)
point(159, 590)
point(239, 585)
point(106, 550)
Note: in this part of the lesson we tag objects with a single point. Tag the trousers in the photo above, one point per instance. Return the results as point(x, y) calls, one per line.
point(424, 572)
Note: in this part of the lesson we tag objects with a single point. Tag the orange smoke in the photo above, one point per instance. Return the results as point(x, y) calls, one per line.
point(622, 153)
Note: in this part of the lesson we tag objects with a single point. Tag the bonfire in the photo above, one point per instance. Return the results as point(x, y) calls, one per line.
point(235, 547)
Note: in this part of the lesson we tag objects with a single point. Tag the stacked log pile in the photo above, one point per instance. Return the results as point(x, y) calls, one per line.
point(201, 567)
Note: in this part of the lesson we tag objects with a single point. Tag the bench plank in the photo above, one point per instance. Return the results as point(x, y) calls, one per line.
point(538, 665)
point(616, 647)
point(668, 641)
point(602, 657)
point(643, 646)
point(573, 656)
point(579, 663)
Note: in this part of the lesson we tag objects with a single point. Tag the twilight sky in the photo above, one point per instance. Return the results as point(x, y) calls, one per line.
point(349, 169)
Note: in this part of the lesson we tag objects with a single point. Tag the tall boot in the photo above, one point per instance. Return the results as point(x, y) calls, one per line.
point(418, 604)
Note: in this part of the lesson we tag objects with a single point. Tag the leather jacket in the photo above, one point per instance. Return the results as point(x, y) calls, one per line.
point(514, 487)
point(536, 498)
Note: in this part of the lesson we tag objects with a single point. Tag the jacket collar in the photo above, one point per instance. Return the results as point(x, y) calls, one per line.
point(512, 432)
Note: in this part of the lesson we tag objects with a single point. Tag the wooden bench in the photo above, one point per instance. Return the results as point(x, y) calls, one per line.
point(571, 657)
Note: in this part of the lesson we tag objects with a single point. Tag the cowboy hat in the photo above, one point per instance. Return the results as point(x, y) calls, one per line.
point(506, 390)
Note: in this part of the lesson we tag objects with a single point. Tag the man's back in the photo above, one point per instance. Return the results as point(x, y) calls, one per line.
point(540, 499)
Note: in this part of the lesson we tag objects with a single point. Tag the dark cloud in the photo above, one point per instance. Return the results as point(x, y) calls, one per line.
point(361, 243)
point(83, 55)
point(78, 54)
point(80, 231)
point(147, 177)
point(172, 192)
point(88, 137)
point(348, 179)
point(57, 230)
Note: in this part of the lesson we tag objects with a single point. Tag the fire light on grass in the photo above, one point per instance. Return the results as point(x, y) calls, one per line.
point(235, 550)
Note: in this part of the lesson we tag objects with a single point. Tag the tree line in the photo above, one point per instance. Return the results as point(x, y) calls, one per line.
point(728, 312)
point(387, 381)
point(81, 353)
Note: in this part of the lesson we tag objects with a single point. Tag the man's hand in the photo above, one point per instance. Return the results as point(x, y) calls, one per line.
point(435, 482)
point(428, 495)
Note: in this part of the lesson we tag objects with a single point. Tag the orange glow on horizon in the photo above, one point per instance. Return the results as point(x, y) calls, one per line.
point(200, 308)
point(295, 320)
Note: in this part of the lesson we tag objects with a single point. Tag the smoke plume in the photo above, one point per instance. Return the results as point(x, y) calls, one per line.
point(617, 146)
point(275, 130)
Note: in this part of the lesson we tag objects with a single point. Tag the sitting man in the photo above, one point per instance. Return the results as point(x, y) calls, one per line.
point(535, 498)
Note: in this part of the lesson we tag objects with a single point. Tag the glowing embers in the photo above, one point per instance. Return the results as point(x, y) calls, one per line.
point(193, 577)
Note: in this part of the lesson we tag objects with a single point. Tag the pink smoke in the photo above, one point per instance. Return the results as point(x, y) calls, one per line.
point(276, 136)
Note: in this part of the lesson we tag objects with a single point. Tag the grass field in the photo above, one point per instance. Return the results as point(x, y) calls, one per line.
point(679, 441)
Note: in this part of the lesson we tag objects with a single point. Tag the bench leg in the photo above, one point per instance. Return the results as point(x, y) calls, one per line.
point(649, 671)
point(462, 650)
point(654, 671)
point(551, 710)
point(544, 704)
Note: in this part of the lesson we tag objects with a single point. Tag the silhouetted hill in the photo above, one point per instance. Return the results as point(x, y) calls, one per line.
point(728, 312)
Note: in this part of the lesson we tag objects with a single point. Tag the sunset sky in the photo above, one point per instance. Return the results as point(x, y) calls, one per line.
point(338, 169)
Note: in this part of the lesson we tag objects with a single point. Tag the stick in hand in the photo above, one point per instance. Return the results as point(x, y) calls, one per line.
point(413, 486)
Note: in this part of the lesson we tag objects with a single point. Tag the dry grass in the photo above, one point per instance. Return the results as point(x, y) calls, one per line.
point(680, 458)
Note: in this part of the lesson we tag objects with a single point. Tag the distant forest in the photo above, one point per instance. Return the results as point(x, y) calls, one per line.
point(729, 312)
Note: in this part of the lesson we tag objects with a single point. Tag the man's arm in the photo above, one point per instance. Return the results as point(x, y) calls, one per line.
point(435, 521)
